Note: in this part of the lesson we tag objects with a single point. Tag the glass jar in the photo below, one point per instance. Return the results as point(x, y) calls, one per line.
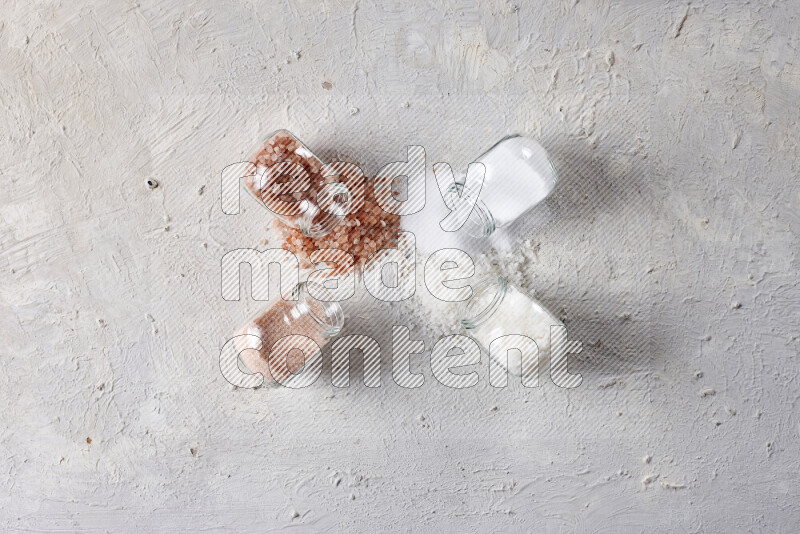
point(498, 308)
point(318, 321)
point(318, 208)
point(519, 175)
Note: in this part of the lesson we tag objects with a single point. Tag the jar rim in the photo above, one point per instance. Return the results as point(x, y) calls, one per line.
point(316, 222)
point(480, 222)
point(493, 285)
point(325, 317)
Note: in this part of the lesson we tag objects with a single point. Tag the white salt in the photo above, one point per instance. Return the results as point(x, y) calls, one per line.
point(519, 175)
point(518, 314)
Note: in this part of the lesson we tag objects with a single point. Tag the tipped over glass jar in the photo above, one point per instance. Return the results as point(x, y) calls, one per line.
point(519, 175)
point(289, 180)
point(288, 337)
point(497, 309)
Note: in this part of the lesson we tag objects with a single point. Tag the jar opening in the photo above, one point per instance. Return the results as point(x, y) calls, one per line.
point(325, 317)
point(487, 296)
point(480, 222)
point(333, 204)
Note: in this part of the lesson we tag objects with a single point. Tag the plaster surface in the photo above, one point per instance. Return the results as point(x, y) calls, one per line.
point(669, 248)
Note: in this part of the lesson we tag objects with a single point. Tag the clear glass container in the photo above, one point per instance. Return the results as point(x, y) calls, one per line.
point(519, 175)
point(317, 320)
point(498, 308)
point(317, 210)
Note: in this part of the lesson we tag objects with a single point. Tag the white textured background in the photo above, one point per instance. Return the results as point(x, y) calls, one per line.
point(669, 248)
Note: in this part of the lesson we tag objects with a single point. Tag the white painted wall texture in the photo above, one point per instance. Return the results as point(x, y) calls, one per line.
point(669, 248)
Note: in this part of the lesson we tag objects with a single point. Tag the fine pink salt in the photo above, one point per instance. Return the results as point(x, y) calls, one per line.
point(270, 326)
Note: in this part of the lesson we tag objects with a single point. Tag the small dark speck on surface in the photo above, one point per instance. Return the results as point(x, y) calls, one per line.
point(327, 85)
point(152, 184)
point(89, 441)
point(193, 451)
point(201, 190)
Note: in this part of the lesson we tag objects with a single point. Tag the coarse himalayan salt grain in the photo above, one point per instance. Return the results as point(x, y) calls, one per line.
point(283, 146)
point(362, 232)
